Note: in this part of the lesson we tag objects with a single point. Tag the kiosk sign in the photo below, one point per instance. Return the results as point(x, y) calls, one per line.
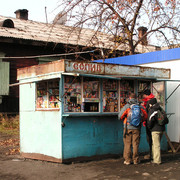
point(84, 67)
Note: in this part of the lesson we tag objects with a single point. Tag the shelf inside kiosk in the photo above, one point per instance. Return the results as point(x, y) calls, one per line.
point(90, 95)
point(126, 87)
point(72, 94)
point(91, 107)
point(47, 94)
point(110, 95)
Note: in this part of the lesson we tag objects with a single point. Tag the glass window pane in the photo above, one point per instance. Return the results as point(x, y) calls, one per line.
point(47, 96)
point(90, 95)
point(72, 94)
point(53, 91)
point(42, 95)
point(110, 96)
point(126, 87)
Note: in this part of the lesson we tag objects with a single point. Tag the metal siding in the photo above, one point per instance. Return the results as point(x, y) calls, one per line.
point(112, 69)
point(89, 136)
point(122, 70)
point(27, 97)
point(173, 65)
point(157, 56)
point(4, 78)
point(92, 136)
point(40, 131)
point(40, 70)
point(173, 106)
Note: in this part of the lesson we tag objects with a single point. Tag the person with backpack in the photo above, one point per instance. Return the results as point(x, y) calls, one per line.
point(132, 114)
point(156, 123)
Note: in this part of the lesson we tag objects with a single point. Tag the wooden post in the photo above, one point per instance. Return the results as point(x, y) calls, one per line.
point(169, 142)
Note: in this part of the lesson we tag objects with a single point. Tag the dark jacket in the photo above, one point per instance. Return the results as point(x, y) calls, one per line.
point(124, 113)
point(152, 121)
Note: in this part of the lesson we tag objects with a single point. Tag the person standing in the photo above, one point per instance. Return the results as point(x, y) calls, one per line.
point(147, 96)
point(131, 134)
point(155, 128)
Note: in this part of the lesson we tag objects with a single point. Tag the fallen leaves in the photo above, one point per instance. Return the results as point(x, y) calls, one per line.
point(10, 142)
point(12, 146)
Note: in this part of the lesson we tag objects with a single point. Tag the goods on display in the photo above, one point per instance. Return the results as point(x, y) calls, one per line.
point(48, 94)
point(110, 96)
point(126, 87)
point(72, 94)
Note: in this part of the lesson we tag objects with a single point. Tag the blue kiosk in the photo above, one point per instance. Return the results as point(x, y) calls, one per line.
point(68, 109)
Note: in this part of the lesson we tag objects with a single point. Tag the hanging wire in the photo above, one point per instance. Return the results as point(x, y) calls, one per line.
point(51, 55)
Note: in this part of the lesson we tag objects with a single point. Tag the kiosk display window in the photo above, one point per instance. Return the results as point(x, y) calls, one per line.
point(72, 94)
point(142, 85)
point(126, 87)
point(47, 94)
point(110, 96)
point(159, 92)
point(90, 95)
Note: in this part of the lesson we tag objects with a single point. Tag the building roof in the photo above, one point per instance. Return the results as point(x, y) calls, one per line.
point(151, 57)
point(38, 31)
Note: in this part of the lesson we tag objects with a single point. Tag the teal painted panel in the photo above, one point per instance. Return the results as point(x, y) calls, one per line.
point(144, 147)
point(90, 136)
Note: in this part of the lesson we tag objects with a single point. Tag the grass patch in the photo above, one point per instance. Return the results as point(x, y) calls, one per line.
point(9, 124)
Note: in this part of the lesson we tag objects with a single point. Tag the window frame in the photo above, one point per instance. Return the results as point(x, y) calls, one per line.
point(48, 94)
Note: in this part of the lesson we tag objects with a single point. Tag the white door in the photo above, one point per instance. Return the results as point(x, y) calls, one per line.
point(173, 106)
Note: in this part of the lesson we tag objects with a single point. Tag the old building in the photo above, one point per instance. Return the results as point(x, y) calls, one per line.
point(24, 43)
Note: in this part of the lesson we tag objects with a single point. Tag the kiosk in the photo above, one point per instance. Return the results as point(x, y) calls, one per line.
point(68, 109)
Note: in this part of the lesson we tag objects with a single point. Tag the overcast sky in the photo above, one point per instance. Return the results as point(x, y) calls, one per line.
point(36, 8)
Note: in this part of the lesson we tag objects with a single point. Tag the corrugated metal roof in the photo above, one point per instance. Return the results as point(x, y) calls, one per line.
point(158, 56)
point(38, 31)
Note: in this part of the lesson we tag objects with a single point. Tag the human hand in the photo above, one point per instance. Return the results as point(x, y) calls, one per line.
point(144, 123)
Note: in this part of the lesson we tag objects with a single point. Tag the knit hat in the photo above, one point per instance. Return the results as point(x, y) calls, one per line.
point(147, 92)
point(153, 101)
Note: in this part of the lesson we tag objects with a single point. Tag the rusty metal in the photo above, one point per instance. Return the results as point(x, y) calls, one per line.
point(86, 67)
point(121, 70)
point(40, 157)
point(37, 70)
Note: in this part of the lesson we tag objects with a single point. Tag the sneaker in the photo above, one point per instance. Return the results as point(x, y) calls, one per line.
point(147, 156)
point(155, 163)
point(136, 162)
point(127, 163)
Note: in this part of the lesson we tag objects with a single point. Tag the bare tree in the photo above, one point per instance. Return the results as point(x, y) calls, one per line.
point(117, 22)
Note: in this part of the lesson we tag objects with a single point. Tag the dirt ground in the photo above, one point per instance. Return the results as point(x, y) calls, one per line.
point(13, 167)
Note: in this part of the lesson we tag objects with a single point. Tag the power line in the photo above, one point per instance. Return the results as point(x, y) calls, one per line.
point(51, 55)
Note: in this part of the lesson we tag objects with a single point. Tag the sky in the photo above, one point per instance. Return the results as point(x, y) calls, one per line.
point(36, 8)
